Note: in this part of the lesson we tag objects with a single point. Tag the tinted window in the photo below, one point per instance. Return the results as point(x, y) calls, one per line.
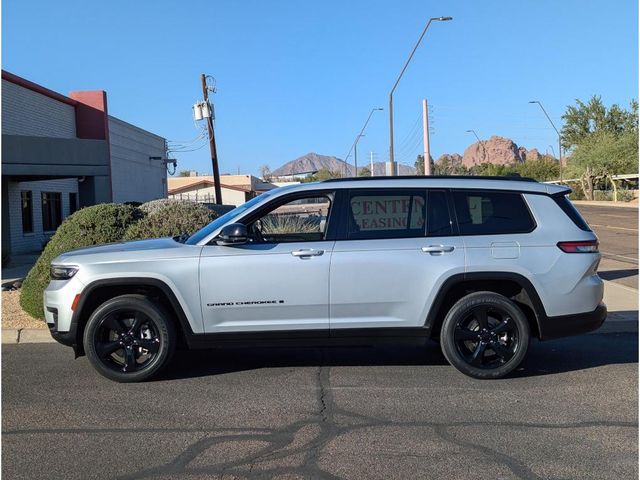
point(73, 202)
point(27, 211)
point(386, 214)
point(438, 219)
point(300, 220)
point(567, 207)
point(51, 210)
point(482, 212)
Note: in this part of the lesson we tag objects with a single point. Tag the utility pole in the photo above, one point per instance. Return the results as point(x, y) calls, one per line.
point(212, 141)
point(425, 128)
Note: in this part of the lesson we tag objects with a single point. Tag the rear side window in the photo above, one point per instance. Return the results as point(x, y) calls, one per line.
point(386, 214)
point(567, 207)
point(438, 218)
point(482, 212)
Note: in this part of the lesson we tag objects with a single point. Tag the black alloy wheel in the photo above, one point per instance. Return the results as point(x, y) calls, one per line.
point(485, 335)
point(129, 338)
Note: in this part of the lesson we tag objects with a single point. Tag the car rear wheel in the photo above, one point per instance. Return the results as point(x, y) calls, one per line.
point(129, 338)
point(485, 335)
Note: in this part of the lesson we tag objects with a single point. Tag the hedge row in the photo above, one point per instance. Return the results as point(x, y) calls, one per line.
point(108, 223)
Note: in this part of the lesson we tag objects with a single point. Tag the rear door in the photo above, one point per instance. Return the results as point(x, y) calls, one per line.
point(394, 250)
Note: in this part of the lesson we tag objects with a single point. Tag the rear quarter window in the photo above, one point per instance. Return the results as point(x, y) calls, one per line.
point(481, 212)
point(572, 212)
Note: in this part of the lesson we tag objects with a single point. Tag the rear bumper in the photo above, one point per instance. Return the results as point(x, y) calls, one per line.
point(567, 325)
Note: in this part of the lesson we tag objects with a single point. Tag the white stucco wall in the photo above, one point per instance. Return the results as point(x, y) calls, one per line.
point(25, 112)
point(33, 242)
point(133, 176)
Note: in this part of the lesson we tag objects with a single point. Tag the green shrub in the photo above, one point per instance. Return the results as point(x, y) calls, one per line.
point(625, 195)
point(167, 218)
point(602, 195)
point(99, 224)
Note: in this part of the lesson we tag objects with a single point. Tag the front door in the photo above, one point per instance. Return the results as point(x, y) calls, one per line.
point(277, 281)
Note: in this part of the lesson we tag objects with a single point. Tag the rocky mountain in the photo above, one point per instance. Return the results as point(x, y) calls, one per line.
point(497, 150)
point(312, 162)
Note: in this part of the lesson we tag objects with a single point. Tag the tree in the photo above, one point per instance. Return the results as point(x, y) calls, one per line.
point(602, 155)
point(184, 173)
point(419, 164)
point(322, 174)
point(584, 120)
point(265, 173)
point(364, 172)
point(604, 142)
point(543, 169)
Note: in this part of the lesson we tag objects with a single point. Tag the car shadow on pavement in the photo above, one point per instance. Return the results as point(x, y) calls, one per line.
point(543, 358)
point(617, 274)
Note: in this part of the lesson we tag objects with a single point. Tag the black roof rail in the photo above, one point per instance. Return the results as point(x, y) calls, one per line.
point(516, 178)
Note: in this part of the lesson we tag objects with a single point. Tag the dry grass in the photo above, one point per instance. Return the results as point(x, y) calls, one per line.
point(12, 314)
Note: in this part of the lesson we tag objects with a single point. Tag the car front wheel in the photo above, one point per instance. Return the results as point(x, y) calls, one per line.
point(129, 338)
point(485, 335)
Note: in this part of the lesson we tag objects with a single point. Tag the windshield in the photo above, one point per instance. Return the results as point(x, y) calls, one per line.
point(205, 231)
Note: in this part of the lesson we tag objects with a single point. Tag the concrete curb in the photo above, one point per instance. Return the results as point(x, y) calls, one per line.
point(26, 335)
point(603, 203)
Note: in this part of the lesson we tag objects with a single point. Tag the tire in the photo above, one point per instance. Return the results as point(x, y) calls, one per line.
point(485, 345)
point(117, 333)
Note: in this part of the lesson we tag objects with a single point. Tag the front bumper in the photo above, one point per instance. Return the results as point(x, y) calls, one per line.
point(58, 298)
point(567, 325)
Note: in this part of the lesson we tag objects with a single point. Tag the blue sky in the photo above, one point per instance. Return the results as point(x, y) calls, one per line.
point(295, 77)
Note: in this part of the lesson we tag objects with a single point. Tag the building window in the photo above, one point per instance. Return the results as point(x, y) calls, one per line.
point(51, 210)
point(27, 211)
point(73, 202)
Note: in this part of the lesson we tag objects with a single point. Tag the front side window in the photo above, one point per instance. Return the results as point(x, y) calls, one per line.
point(26, 198)
point(491, 213)
point(51, 210)
point(299, 220)
point(386, 214)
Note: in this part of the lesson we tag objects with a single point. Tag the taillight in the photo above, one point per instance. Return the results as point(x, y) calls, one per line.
point(590, 246)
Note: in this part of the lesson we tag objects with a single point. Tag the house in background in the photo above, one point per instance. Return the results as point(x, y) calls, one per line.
point(61, 153)
point(236, 189)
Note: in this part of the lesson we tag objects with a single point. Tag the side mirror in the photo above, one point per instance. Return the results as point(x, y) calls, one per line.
point(233, 234)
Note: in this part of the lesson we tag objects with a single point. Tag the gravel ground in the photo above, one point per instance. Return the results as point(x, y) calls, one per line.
point(12, 314)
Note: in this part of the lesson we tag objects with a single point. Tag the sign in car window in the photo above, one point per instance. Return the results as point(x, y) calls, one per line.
point(379, 212)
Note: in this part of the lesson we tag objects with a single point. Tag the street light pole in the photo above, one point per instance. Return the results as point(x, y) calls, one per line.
point(354, 147)
point(391, 155)
point(559, 137)
point(484, 151)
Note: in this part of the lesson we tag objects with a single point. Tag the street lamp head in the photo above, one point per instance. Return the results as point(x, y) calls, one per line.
point(534, 101)
point(379, 108)
point(469, 131)
point(443, 19)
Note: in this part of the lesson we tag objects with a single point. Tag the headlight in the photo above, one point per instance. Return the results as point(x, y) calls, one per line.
point(62, 272)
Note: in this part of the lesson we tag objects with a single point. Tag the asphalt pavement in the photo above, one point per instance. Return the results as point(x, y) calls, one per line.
point(571, 411)
point(617, 230)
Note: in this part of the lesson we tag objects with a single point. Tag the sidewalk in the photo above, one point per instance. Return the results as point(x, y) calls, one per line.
point(18, 267)
point(622, 317)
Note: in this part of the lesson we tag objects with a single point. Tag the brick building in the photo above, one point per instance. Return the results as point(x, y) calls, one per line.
point(61, 153)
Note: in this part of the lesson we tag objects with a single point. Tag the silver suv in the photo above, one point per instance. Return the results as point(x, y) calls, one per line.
point(481, 264)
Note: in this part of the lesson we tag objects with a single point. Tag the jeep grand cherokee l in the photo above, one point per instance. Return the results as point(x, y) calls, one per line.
point(480, 264)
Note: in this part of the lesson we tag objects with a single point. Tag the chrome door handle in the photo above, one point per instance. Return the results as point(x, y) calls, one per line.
point(438, 249)
point(307, 253)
